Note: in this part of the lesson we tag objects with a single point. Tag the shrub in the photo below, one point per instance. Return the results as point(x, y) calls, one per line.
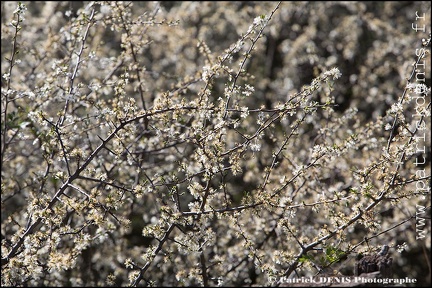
point(212, 143)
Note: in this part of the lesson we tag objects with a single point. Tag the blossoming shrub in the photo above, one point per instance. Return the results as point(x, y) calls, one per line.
point(212, 143)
